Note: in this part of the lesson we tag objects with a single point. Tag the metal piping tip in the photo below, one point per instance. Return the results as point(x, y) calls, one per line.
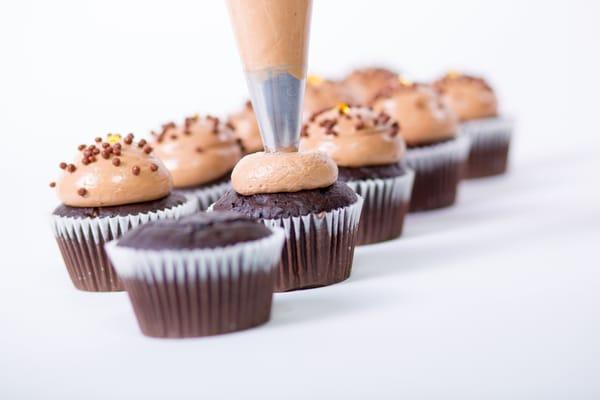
point(277, 98)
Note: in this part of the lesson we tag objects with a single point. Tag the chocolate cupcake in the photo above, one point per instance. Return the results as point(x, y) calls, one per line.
point(476, 105)
point(322, 94)
point(202, 275)
point(112, 186)
point(245, 128)
point(370, 158)
point(364, 84)
point(200, 156)
point(299, 192)
point(435, 152)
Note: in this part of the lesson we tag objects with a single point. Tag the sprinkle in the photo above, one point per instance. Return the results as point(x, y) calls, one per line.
point(71, 168)
point(153, 167)
point(148, 149)
point(106, 154)
point(82, 192)
point(136, 170)
point(174, 137)
point(96, 151)
point(395, 129)
point(315, 80)
point(142, 143)
point(52, 184)
point(113, 138)
point(92, 158)
point(128, 139)
point(98, 139)
point(116, 161)
point(117, 151)
point(81, 147)
point(85, 161)
point(105, 145)
point(404, 81)
point(343, 108)
point(63, 165)
point(360, 125)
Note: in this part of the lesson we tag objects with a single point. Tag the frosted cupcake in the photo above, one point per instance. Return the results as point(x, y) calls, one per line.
point(476, 105)
point(245, 128)
point(111, 187)
point(200, 156)
point(370, 158)
point(365, 84)
point(299, 192)
point(322, 94)
point(435, 152)
point(202, 275)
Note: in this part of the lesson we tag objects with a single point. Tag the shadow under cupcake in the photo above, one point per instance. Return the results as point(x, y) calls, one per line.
point(112, 186)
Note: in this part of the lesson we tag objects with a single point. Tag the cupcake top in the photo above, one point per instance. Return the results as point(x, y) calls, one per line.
point(366, 83)
point(322, 94)
point(198, 152)
point(245, 128)
point(198, 231)
point(354, 136)
point(470, 97)
point(424, 116)
point(111, 172)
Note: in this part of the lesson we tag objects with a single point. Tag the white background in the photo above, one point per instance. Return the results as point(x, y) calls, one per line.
point(496, 298)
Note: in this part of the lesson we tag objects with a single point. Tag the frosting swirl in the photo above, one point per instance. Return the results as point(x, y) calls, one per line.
point(366, 83)
point(424, 116)
point(261, 173)
point(470, 97)
point(199, 152)
point(113, 172)
point(354, 136)
point(245, 128)
point(322, 94)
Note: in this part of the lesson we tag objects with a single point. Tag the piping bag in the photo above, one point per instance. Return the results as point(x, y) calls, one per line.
point(272, 38)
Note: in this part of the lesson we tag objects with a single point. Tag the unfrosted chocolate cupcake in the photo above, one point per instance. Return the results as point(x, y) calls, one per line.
point(200, 155)
point(435, 152)
point(322, 94)
point(370, 158)
point(364, 84)
point(111, 187)
point(299, 192)
point(476, 105)
point(202, 275)
point(246, 130)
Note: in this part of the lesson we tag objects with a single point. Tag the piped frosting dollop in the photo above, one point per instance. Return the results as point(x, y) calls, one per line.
point(422, 113)
point(198, 152)
point(113, 171)
point(470, 97)
point(354, 136)
point(364, 84)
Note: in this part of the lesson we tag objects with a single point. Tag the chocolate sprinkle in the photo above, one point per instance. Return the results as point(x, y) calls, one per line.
point(71, 168)
point(136, 170)
point(153, 167)
point(63, 165)
point(82, 192)
point(52, 184)
point(116, 161)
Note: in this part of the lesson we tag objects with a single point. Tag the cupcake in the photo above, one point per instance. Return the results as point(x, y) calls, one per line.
point(322, 94)
point(299, 192)
point(476, 105)
point(370, 158)
point(200, 156)
point(111, 187)
point(245, 129)
point(364, 84)
point(435, 152)
point(202, 275)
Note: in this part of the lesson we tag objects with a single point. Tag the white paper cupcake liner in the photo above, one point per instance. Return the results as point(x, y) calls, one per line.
point(81, 243)
point(438, 170)
point(206, 195)
point(190, 293)
point(386, 202)
point(488, 131)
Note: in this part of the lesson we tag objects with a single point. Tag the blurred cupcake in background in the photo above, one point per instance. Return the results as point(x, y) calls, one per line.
point(245, 128)
point(476, 105)
point(200, 154)
point(322, 94)
point(365, 83)
point(112, 186)
point(206, 274)
point(370, 154)
point(435, 152)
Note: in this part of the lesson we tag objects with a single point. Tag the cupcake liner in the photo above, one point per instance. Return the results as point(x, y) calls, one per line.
point(319, 248)
point(438, 170)
point(490, 142)
point(192, 293)
point(386, 202)
point(81, 242)
point(206, 195)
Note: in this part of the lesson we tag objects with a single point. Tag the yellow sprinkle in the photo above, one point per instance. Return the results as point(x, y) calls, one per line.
point(113, 138)
point(404, 81)
point(343, 108)
point(453, 74)
point(315, 80)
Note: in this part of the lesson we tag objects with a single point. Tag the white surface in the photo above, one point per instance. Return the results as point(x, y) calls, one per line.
point(496, 298)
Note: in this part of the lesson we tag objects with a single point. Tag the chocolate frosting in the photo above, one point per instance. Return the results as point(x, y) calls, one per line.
point(366, 83)
point(322, 94)
point(470, 97)
point(283, 172)
point(246, 130)
point(197, 152)
point(423, 115)
point(354, 136)
point(113, 172)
